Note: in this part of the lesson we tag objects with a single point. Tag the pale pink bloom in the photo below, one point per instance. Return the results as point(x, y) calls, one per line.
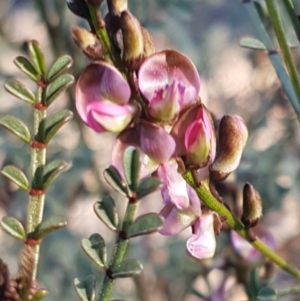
point(102, 98)
point(169, 81)
point(202, 244)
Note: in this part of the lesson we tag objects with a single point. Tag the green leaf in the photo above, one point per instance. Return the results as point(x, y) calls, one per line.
point(95, 248)
point(39, 294)
point(131, 167)
point(18, 90)
point(127, 268)
point(15, 126)
point(59, 85)
point(85, 288)
point(252, 43)
point(13, 227)
point(145, 224)
point(114, 179)
point(267, 294)
point(62, 64)
point(48, 226)
point(147, 186)
point(37, 57)
point(51, 171)
point(55, 122)
point(15, 175)
point(25, 66)
point(106, 211)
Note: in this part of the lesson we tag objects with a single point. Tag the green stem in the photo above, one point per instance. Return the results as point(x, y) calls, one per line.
point(273, 55)
point(36, 202)
point(105, 41)
point(280, 34)
point(118, 253)
point(288, 4)
point(212, 203)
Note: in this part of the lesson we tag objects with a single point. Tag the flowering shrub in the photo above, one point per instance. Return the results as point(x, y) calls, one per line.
point(166, 139)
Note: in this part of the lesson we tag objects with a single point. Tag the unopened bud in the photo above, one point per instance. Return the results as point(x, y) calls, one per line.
point(232, 138)
point(148, 42)
point(252, 206)
point(133, 41)
point(79, 8)
point(116, 7)
point(88, 42)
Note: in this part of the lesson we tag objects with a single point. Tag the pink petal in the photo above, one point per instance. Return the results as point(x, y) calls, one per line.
point(175, 220)
point(100, 81)
point(156, 142)
point(202, 244)
point(165, 67)
point(174, 189)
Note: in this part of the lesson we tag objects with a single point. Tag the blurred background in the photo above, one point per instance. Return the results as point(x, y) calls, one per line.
point(234, 81)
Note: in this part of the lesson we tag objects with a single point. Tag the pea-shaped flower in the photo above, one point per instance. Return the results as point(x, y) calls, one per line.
point(169, 81)
point(102, 98)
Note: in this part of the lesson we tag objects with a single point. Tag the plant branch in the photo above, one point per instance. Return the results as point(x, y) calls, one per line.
point(288, 4)
point(38, 161)
point(118, 253)
point(281, 37)
point(273, 55)
point(212, 203)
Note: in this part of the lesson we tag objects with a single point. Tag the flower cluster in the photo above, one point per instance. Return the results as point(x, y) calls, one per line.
point(153, 103)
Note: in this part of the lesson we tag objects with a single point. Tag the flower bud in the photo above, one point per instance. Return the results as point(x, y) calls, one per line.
point(88, 42)
point(233, 136)
point(133, 42)
point(116, 7)
point(252, 206)
point(79, 8)
point(198, 140)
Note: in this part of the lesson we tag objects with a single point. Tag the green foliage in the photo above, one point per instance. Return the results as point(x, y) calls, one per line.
point(85, 288)
point(13, 227)
point(15, 175)
point(127, 268)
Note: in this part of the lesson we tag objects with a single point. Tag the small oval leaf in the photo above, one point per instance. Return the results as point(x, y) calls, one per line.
point(37, 57)
point(39, 294)
point(15, 126)
point(85, 288)
point(145, 224)
point(59, 85)
point(48, 226)
point(13, 227)
point(25, 66)
point(131, 167)
point(18, 90)
point(267, 294)
point(127, 268)
point(114, 179)
point(15, 175)
point(252, 43)
point(106, 211)
point(146, 186)
point(51, 171)
point(55, 122)
point(62, 64)
point(95, 248)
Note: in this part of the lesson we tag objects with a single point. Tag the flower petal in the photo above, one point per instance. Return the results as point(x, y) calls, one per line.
point(98, 82)
point(176, 220)
point(202, 244)
point(162, 68)
point(156, 142)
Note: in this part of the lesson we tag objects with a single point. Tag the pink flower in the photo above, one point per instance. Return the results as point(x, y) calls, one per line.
point(102, 98)
point(198, 140)
point(202, 244)
point(169, 81)
point(155, 144)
